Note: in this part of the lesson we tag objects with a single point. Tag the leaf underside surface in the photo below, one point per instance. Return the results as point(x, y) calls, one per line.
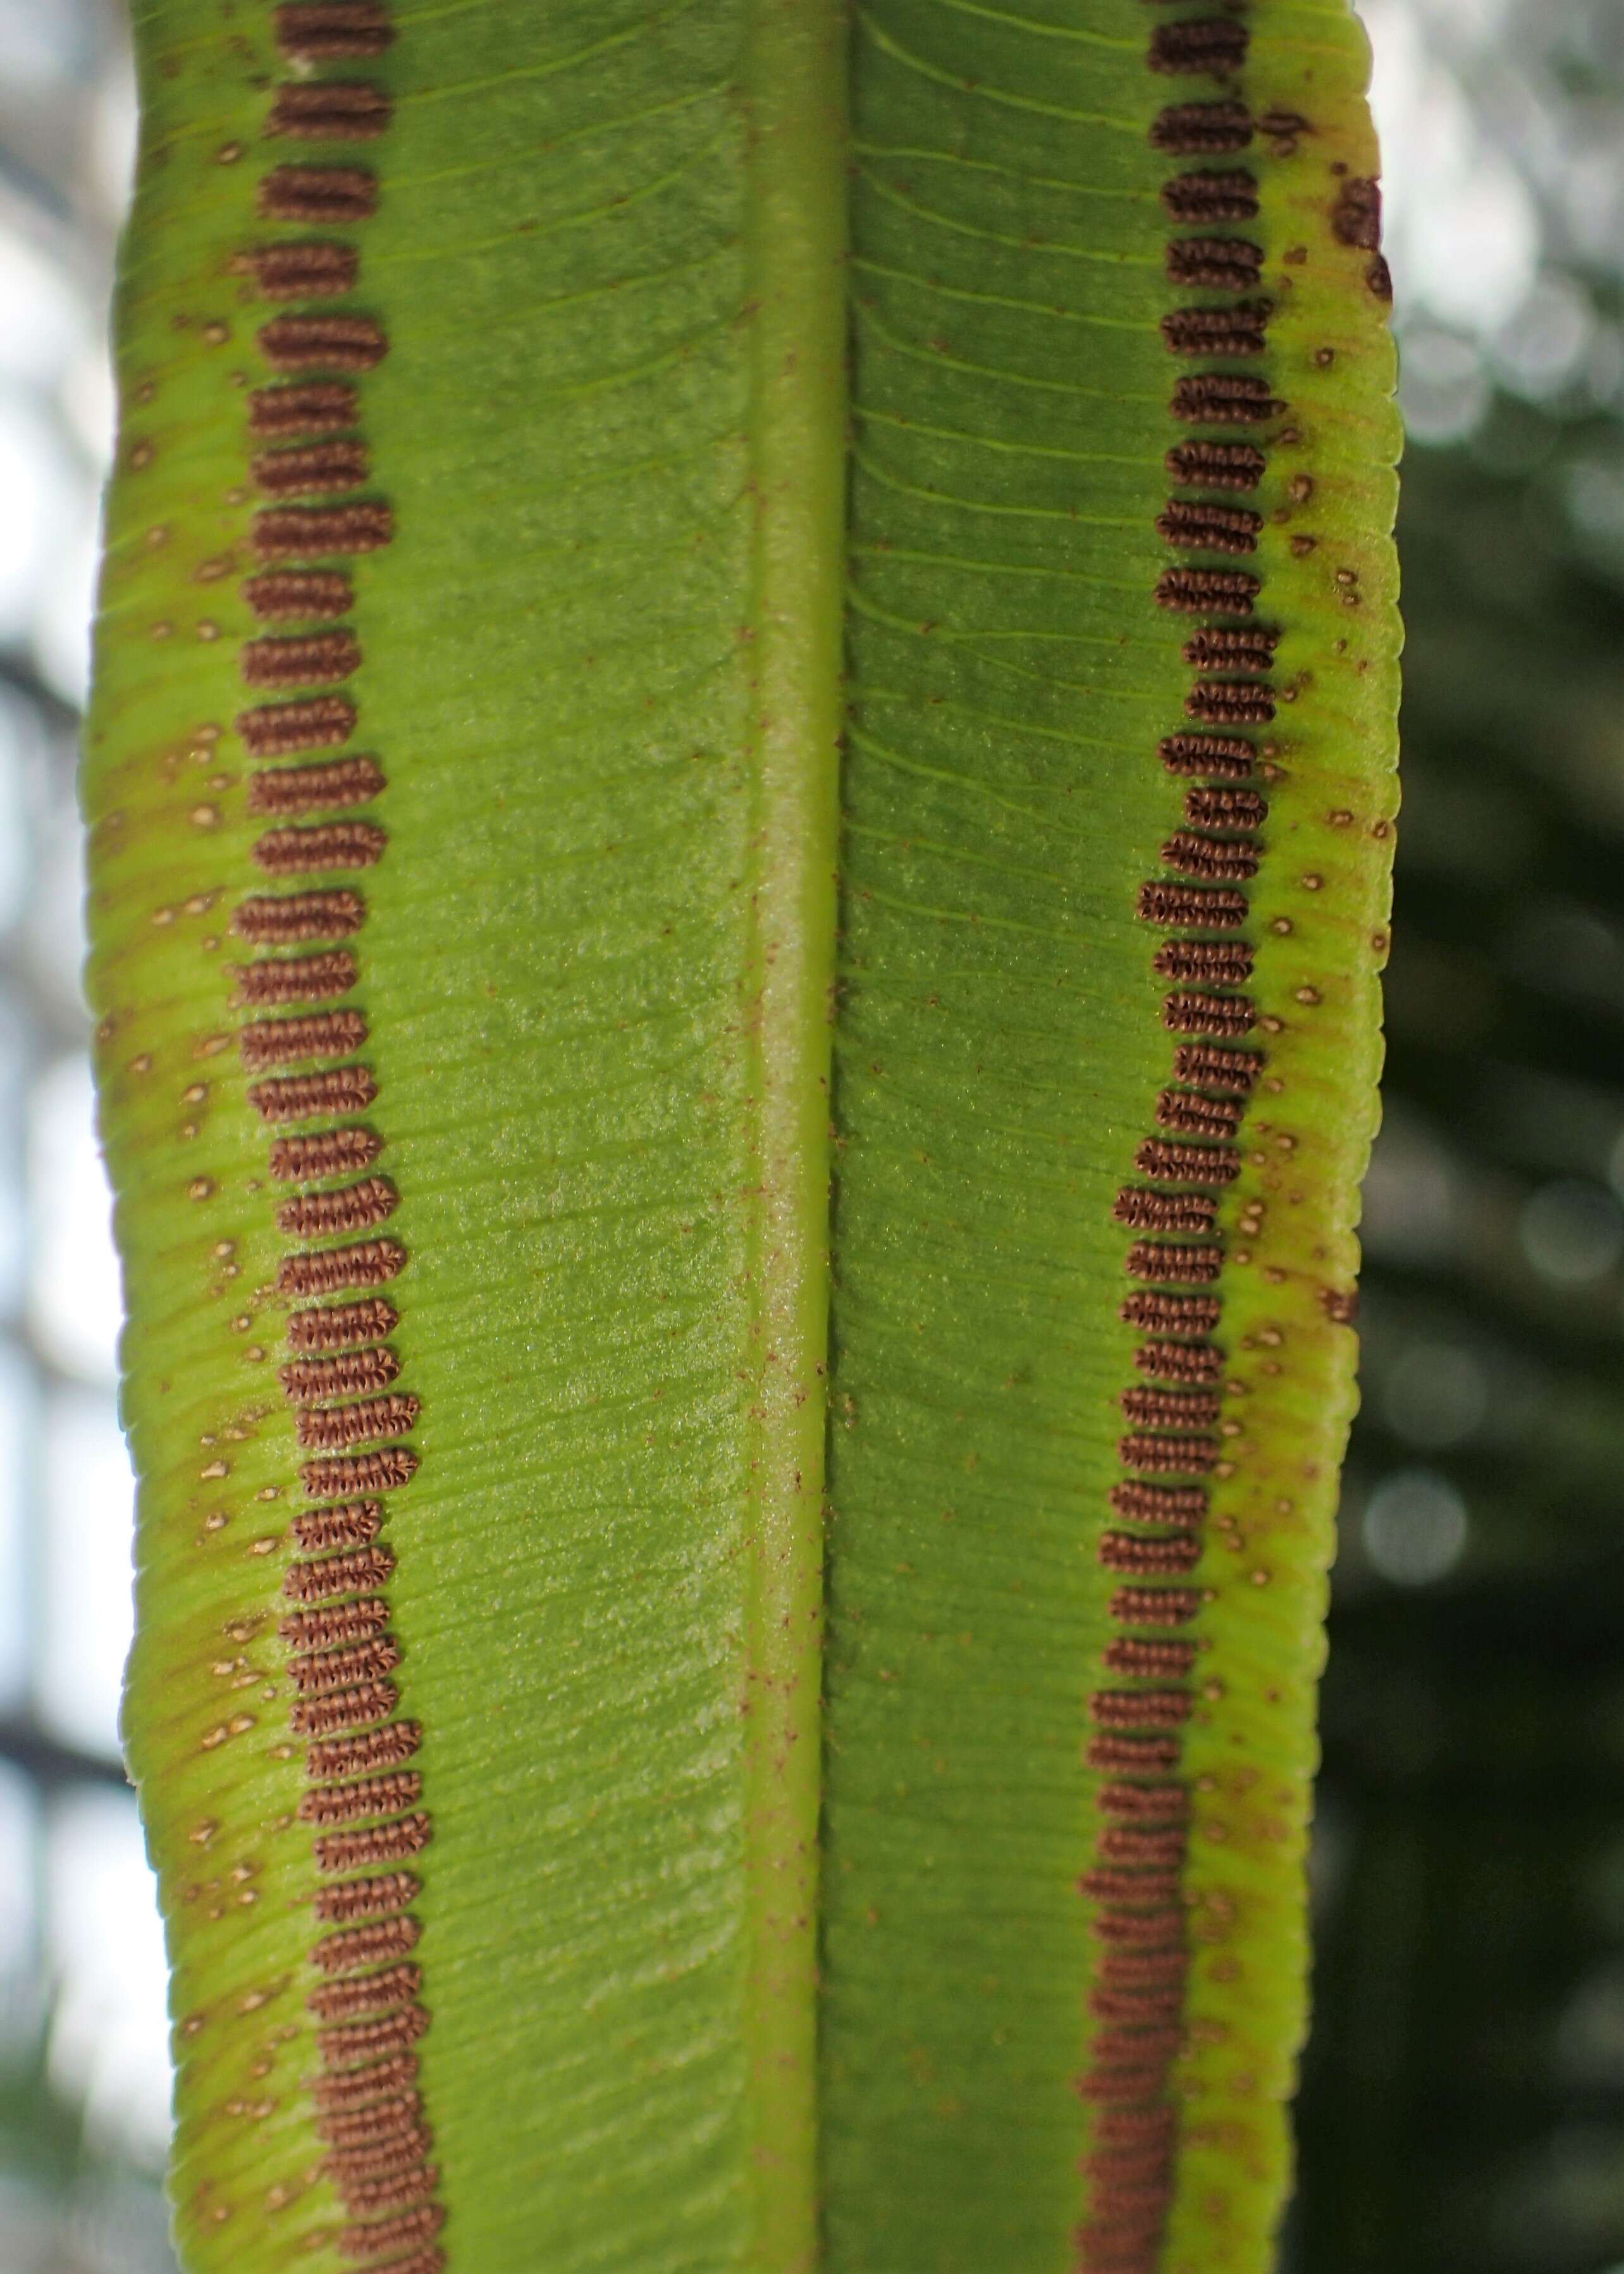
point(664, 714)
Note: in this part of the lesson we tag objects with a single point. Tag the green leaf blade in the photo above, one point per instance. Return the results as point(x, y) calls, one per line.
point(600, 672)
point(1000, 1051)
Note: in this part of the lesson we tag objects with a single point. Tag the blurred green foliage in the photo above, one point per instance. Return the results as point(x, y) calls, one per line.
point(70, 2202)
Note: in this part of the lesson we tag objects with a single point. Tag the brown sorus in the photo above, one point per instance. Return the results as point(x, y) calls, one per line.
point(1209, 528)
point(1225, 755)
point(1213, 1068)
point(1106, 1886)
point(284, 1041)
point(1191, 1115)
point(1189, 1457)
point(430, 2259)
point(347, 2096)
point(1195, 1164)
point(1134, 1756)
point(1107, 2166)
point(328, 1153)
point(1142, 1503)
point(336, 194)
point(1224, 648)
point(400, 2111)
point(332, 31)
point(1208, 591)
point(367, 1899)
point(1191, 129)
point(1142, 1970)
point(365, 1948)
point(313, 270)
point(1225, 809)
point(1213, 264)
point(1230, 703)
point(324, 344)
point(302, 532)
point(359, 2041)
point(318, 1715)
point(1170, 1314)
point(346, 2091)
point(1198, 854)
point(1172, 1264)
point(304, 789)
point(394, 2149)
point(368, 1993)
point(343, 1474)
point(1100, 2248)
point(1153, 1406)
point(1163, 1660)
point(1215, 963)
point(1140, 1709)
point(302, 412)
point(1154, 1606)
point(1136, 1558)
point(311, 470)
point(1156, 1211)
point(351, 1572)
point(351, 1372)
point(354, 2240)
point(372, 1749)
point(330, 1626)
point(379, 1843)
point(296, 1097)
point(360, 2197)
point(1356, 217)
point(296, 978)
point(1216, 465)
point(322, 1676)
point(1138, 2128)
point(330, 111)
point(325, 1428)
point(1127, 2067)
point(1118, 2204)
point(290, 595)
point(1166, 1211)
point(354, 1207)
point(353, 1525)
point(1228, 194)
point(297, 916)
point(1202, 908)
point(1208, 1014)
point(1241, 330)
point(326, 845)
point(352, 1803)
point(394, 2166)
point(341, 1326)
point(370, 1263)
point(1186, 1362)
point(274, 730)
point(1216, 398)
point(1137, 2083)
point(1214, 44)
point(1148, 1803)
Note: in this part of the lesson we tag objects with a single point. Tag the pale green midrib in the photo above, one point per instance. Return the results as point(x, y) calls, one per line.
point(796, 192)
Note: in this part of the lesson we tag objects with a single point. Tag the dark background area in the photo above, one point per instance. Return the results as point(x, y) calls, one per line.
point(1464, 2090)
point(1463, 2104)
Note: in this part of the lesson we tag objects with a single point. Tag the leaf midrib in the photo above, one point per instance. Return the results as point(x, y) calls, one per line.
point(795, 121)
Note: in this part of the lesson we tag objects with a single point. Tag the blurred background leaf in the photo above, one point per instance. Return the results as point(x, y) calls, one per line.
point(84, 2068)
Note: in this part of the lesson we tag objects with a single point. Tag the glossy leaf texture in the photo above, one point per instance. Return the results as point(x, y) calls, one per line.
point(741, 798)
